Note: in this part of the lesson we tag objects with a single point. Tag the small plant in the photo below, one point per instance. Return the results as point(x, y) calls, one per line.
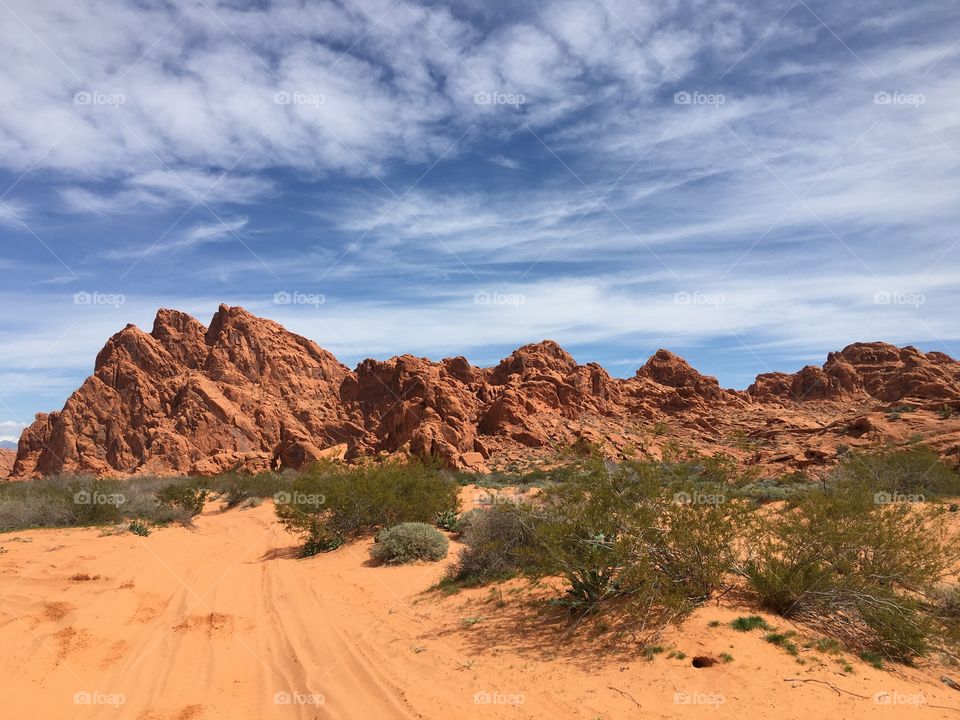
point(651, 651)
point(714, 623)
point(872, 658)
point(471, 621)
point(139, 527)
point(408, 542)
point(829, 646)
point(83, 577)
point(660, 428)
point(726, 657)
point(783, 640)
point(448, 520)
point(753, 622)
point(945, 413)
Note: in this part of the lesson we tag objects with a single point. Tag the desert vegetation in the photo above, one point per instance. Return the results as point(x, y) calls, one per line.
point(863, 553)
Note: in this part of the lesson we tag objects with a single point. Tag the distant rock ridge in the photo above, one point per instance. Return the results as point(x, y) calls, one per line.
point(245, 393)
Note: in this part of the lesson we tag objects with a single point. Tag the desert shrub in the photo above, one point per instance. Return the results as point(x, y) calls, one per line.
point(331, 502)
point(183, 498)
point(856, 567)
point(767, 490)
point(652, 535)
point(408, 542)
point(60, 501)
point(915, 471)
point(237, 488)
point(496, 541)
point(448, 520)
point(466, 519)
point(139, 527)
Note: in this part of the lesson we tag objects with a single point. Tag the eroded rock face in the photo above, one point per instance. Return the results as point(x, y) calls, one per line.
point(185, 398)
point(877, 370)
point(246, 393)
point(7, 458)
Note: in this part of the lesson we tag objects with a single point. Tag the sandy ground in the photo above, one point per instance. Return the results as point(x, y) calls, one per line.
point(222, 621)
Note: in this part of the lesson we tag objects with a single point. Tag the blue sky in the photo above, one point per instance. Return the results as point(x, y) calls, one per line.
point(751, 185)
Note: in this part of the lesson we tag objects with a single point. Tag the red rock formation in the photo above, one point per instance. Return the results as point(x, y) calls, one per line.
point(878, 370)
point(7, 458)
point(246, 393)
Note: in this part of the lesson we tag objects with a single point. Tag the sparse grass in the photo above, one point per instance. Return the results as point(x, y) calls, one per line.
point(783, 640)
point(746, 624)
point(651, 651)
point(872, 658)
point(827, 645)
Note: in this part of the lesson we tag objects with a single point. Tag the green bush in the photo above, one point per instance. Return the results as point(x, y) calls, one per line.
point(332, 502)
point(914, 472)
point(496, 543)
point(656, 536)
point(409, 542)
point(138, 527)
point(856, 567)
point(183, 498)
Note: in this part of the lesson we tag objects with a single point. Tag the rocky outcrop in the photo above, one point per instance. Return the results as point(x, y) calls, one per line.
point(877, 370)
point(246, 393)
point(7, 458)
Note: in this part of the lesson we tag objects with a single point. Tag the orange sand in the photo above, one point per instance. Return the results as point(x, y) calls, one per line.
point(221, 621)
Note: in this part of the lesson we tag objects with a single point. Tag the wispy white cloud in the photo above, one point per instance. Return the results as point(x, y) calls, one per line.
point(193, 237)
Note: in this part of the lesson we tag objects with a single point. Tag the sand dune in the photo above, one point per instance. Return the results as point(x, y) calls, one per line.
point(221, 620)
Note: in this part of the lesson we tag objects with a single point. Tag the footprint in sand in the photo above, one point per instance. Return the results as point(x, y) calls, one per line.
point(115, 654)
point(190, 712)
point(54, 611)
point(71, 640)
point(214, 624)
